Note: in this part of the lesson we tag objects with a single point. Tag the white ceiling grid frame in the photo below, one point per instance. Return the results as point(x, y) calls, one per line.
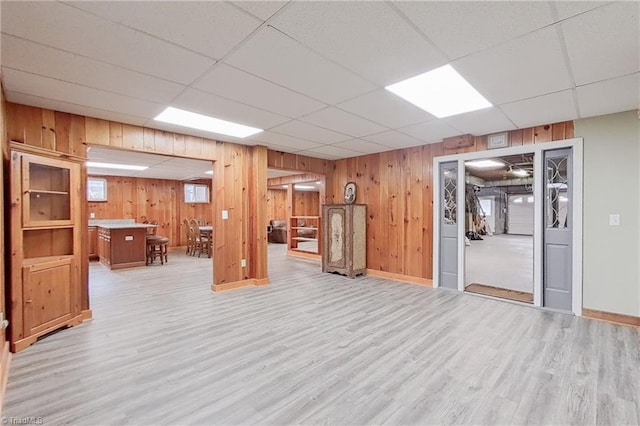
point(481, 122)
point(397, 140)
point(123, 47)
point(521, 68)
point(368, 38)
point(225, 109)
point(462, 27)
point(231, 83)
point(363, 146)
point(89, 111)
point(270, 139)
point(430, 132)
point(330, 152)
point(302, 130)
point(37, 58)
point(166, 20)
point(278, 58)
point(343, 122)
point(385, 108)
point(549, 108)
point(604, 42)
point(608, 96)
point(260, 8)
point(36, 85)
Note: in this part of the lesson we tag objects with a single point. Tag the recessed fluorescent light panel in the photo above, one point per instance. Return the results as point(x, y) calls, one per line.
point(520, 173)
point(210, 172)
point(441, 92)
point(115, 166)
point(204, 122)
point(484, 164)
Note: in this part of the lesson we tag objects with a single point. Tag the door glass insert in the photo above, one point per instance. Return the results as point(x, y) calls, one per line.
point(557, 194)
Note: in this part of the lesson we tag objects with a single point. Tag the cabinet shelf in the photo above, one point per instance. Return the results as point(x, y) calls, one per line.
point(44, 259)
point(44, 191)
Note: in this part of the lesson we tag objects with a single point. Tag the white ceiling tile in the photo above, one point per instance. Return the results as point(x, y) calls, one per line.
point(205, 103)
point(604, 43)
point(39, 59)
point(366, 37)
point(262, 9)
point(481, 122)
point(522, 68)
point(430, 132)
point(542, 110)
point(193, 25)
point(330, 152)
point(302, 130)
point(233, 83)
point(58, 25)
point(268, 137)
point(385, 108)
point(395, 139)
point(31, 84)
point(284, 61)
point(362, 146)
point(567, 9)
point(340, 121)
point(463, 27)
point(607, 97)
point(56, 105)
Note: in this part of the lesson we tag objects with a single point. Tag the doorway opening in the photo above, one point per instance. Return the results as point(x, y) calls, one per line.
point(499, 227)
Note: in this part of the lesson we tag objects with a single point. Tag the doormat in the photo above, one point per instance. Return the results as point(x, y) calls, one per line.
point(503, 293)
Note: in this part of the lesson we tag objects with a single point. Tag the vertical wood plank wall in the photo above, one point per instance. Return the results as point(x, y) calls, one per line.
point(396, 186)
point(232, 163)
point(152, 199)
point(277, 204)
point(4, 344)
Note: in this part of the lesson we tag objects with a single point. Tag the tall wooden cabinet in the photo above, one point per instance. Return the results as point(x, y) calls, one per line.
point(46, 245)
point(344, 240)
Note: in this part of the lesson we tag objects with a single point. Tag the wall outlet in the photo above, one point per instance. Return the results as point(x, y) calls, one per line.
point(225, 214)
point(92, 215)
point(128, 237)
point(243, 263)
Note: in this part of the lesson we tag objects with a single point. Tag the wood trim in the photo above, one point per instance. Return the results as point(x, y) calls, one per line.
point(399, 277)
point(304, 255)
point(256, 282)
point(5, 361)
point(455, 142)
point(30, 149)
point(87, 314)
point(611, 317)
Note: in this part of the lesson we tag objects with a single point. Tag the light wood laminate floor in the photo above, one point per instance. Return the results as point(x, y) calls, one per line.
point(314, 348)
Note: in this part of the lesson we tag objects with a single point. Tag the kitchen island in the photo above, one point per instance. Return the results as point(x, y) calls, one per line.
point(122, 245)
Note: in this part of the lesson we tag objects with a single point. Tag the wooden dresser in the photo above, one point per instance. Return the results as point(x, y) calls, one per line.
point(344, 228)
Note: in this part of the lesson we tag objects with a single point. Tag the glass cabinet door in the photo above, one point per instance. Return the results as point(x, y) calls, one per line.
point(48, 186)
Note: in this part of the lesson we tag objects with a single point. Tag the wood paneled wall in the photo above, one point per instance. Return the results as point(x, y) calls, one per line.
point(396, 186)
point(277, 204)
point(306, 203)
point(151, 199)
point(4, 345)
point(236, 170)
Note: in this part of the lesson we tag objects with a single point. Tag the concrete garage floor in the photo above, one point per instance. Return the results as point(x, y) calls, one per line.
point(504, 261)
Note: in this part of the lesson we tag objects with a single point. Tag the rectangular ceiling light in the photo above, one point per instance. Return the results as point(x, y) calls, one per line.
point(441, 92)
point(484, 164)
point(115, 166)
point(204, 122)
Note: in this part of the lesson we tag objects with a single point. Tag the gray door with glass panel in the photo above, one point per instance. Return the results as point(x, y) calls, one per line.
point(448, 225)
point(557, 229)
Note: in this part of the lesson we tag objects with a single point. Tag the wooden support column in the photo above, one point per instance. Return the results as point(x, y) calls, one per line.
point(258, 217)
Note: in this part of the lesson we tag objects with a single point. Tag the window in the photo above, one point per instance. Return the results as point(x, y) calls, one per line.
point(196, 193)
point(485, 204)
point(96, 189)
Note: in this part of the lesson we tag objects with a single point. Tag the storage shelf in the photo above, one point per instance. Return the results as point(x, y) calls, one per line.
point(42, 191)
point(43, 259)
point(311, 228)
point(36, 227)
point(304, 239)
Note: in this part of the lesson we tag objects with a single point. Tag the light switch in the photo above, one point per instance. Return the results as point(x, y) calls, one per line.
point(128, 237)
point(225, 214)
point(92, 215)
point(614, 219)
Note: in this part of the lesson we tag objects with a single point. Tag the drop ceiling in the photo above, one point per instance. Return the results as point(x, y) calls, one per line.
point(312, 74)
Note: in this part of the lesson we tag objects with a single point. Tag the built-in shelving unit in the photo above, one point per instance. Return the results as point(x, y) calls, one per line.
point(45, 243)
point(305, 230)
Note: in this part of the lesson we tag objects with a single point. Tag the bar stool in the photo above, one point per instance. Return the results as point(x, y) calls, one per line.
point(157, 248)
